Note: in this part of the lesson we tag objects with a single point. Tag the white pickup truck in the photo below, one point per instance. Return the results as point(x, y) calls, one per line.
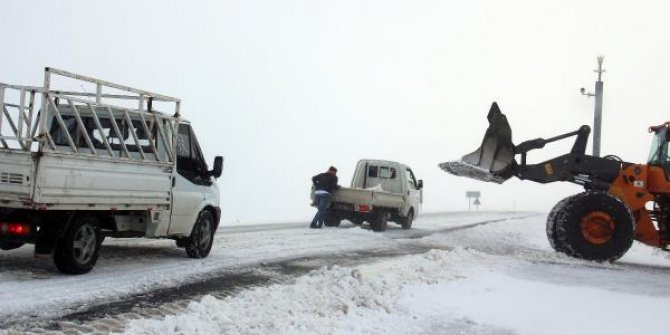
point(100, 162)
point(380, 191)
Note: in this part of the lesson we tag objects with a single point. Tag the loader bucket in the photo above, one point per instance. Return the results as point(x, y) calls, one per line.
point(494, 160)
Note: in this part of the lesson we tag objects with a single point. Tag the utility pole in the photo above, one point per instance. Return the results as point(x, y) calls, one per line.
point(598, 110)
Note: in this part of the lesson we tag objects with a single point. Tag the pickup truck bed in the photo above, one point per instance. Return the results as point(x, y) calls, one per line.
point(70, 182)
point(354, 198)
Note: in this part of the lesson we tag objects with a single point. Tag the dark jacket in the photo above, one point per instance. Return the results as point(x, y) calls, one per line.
point(325, 182)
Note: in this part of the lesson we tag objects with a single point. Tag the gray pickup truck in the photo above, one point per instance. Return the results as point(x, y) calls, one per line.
point(380, 191)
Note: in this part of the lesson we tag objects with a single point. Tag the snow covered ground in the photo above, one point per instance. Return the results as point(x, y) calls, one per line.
point(32, 288)
point(499, 278)
point(481, 273)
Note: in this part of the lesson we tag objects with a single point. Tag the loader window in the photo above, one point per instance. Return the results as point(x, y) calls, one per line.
point(659, 148)
point(659, 154)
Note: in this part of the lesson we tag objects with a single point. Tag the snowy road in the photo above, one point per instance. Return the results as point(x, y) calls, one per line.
point(471, 273)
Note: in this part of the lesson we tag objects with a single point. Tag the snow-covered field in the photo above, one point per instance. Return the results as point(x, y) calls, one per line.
point(32, 288)
point(481, 273)
point(499, 278)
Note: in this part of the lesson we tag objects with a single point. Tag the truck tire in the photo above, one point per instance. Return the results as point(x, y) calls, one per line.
point(407, 220)
point(332, 220)
point(78, 249)
point(380, 221)
point(559, 208)
point(594, 226)
point(199, 244)
point(9, 245)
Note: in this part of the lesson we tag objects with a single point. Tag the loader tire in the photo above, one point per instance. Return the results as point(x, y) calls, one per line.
point(594, 226)
point(380, 221)
point(407, 220)
point(78, 249)
point(199, 243)
point(551, 224)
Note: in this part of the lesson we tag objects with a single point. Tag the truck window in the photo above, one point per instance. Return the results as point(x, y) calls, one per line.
point(60, 138)
point(373, 171)
point(410, 179)
point(190, 162)
point(386, 172)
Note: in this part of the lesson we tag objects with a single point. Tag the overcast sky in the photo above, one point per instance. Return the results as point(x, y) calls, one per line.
point(283, 89)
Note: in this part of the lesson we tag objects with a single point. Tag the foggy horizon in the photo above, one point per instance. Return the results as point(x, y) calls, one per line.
point(285, 89)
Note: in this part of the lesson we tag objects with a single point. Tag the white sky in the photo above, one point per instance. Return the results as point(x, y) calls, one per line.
point(283, 89)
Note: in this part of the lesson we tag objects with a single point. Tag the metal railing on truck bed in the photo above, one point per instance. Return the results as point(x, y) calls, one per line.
point(101, 124)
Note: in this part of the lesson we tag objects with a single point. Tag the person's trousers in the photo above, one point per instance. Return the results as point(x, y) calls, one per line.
point(322, 203)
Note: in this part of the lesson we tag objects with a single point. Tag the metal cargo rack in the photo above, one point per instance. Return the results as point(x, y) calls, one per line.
point(76, 117)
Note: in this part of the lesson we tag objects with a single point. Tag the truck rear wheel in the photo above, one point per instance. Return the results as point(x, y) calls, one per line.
point(407, 221)
point(594, 226)
point(78, 249)
point(199, 244)
point(380, 221)
point(9, 245)
point(332, 220)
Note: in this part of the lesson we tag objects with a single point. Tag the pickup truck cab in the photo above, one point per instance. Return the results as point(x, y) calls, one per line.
point(380, 191)
point(103, 162)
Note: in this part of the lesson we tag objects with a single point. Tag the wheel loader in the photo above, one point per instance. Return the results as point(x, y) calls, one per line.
point(621, 202)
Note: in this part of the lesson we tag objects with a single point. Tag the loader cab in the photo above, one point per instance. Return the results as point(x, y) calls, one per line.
point(658, 154)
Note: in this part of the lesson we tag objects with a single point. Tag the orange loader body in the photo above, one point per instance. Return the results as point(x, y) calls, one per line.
point(621, 202)
point(636, 186)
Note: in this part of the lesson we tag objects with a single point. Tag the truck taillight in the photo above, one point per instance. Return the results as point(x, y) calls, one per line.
point(364, 208)
point(14, 228)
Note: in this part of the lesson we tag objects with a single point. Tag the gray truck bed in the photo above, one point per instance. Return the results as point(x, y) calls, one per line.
point(374, 198)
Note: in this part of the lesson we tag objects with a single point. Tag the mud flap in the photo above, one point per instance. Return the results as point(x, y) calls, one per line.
point(494, 160)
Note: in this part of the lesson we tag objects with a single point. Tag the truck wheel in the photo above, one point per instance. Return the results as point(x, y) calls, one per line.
point(380, 221)
point(332, 220)
point(78, 249)
point(559, 208)
point(200, 242)
point(594, 226)
point(11, 245)
point(407, 221)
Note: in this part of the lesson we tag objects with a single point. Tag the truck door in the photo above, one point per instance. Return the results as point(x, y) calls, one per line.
point(190, 182)
point(413, 191)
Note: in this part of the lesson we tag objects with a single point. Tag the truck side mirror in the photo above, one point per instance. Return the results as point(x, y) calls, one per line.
point(420, 186)
point(218, 167)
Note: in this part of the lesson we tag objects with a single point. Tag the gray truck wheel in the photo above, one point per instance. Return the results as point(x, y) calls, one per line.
point(380, 221)
point(9, 245)
point(407, 221)
point(331, 220)
point(199, 244)
point(78, 249)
